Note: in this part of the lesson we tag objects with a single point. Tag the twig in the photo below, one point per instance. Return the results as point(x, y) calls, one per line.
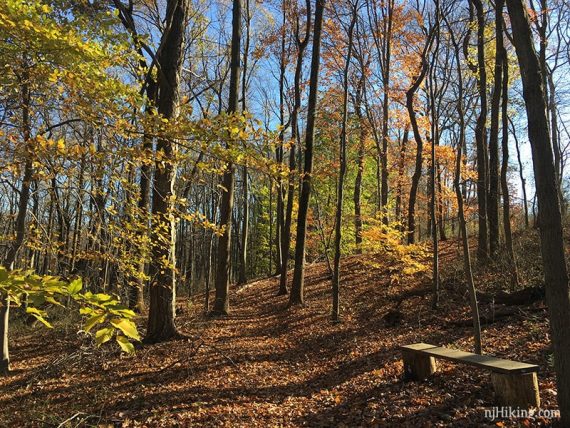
point(70, 419)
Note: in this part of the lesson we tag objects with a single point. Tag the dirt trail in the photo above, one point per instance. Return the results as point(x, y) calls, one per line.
point(265, 365)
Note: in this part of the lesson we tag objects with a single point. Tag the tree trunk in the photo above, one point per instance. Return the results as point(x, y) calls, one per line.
point(360, 167)
point(410, 94)
point(386, 59)
point(481, 135)
point(521, 174)
point(459, 195)
point(493, 199)
point(295, 137)
point(20, 225)
point(242, 276)
point(550, 219)
point(137, 291)
point(505, 166)
point(342, 172)
point(161, 314)
point(297, 288)
point(222, 302)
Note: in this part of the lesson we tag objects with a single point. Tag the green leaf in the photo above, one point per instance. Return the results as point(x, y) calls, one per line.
point(93, 321)
point(51, 300)
point(36, 299)
point(125, 345)
point(127, 327)
point(101, 297)
point(86, 311)
point(15, 298)
point(104, 335)
point(37, 314)
point(75, 286)
point(121, 311)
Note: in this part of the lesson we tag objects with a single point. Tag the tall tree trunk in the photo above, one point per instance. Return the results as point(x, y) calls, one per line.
point(297, 287)
point(481, 135)
point(222, 301)
point(550, 219)
point(136, 300)
point(505, 166)
point(78, 216)
point(295, 137)
point(20, 225)
point(386, 60)
point(434, 172)
point(433, 224)
point(242, 277)
point(162, 294)
point(553, 107)
point(359, 166)
point(521, 174)
point(410, 94)
point(279, 152)
point(493, 199)
point(401, 172)
point(459, 195)
point(342, 172)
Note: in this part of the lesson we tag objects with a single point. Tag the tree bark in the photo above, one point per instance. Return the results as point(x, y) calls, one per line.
point(162, 293)
point(550, 219)
point(342, 172)
point(297, 287)
point(360, 167)
point(295, 137)
point(481, 135)
point(242, 277)
point(505, 166)
point(493, 199)
point(468, 272)
point(521, 174)
point(410, 94)
point(221, 301)
point(20, 225)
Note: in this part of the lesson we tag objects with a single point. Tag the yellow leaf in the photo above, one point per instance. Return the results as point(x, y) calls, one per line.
point(127, 327)
point(125, 345)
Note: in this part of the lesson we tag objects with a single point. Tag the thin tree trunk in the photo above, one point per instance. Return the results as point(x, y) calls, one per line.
point(386, 51)
point(297, 288)
point(410, 94)
point(505, 166)
point(242, 277)
point(279, 153)
point(360, 168)
point(295, 137)
point(493, 195)
point(222, 302)
point(459, 195)
point(521, 174)
point(481, 135)
point(342, 172)
point(20, 225)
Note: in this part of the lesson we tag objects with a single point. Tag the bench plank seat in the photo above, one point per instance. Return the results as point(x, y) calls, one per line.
point(489, 362)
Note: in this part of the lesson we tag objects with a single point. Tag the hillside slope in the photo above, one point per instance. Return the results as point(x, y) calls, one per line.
point(266, 365)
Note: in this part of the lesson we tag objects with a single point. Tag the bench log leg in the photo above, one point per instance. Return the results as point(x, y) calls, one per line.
point(418, 366)
point(516, 390)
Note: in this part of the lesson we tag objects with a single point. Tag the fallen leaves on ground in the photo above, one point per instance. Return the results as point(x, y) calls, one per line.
point(267, 365)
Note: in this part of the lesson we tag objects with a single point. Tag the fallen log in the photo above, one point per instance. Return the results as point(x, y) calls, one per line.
point(497, 315)
point(525, 296)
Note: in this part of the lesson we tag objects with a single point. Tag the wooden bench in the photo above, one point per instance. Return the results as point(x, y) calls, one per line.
point(515, 383)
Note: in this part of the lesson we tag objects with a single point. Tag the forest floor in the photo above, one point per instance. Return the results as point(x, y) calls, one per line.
point(266, 365)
